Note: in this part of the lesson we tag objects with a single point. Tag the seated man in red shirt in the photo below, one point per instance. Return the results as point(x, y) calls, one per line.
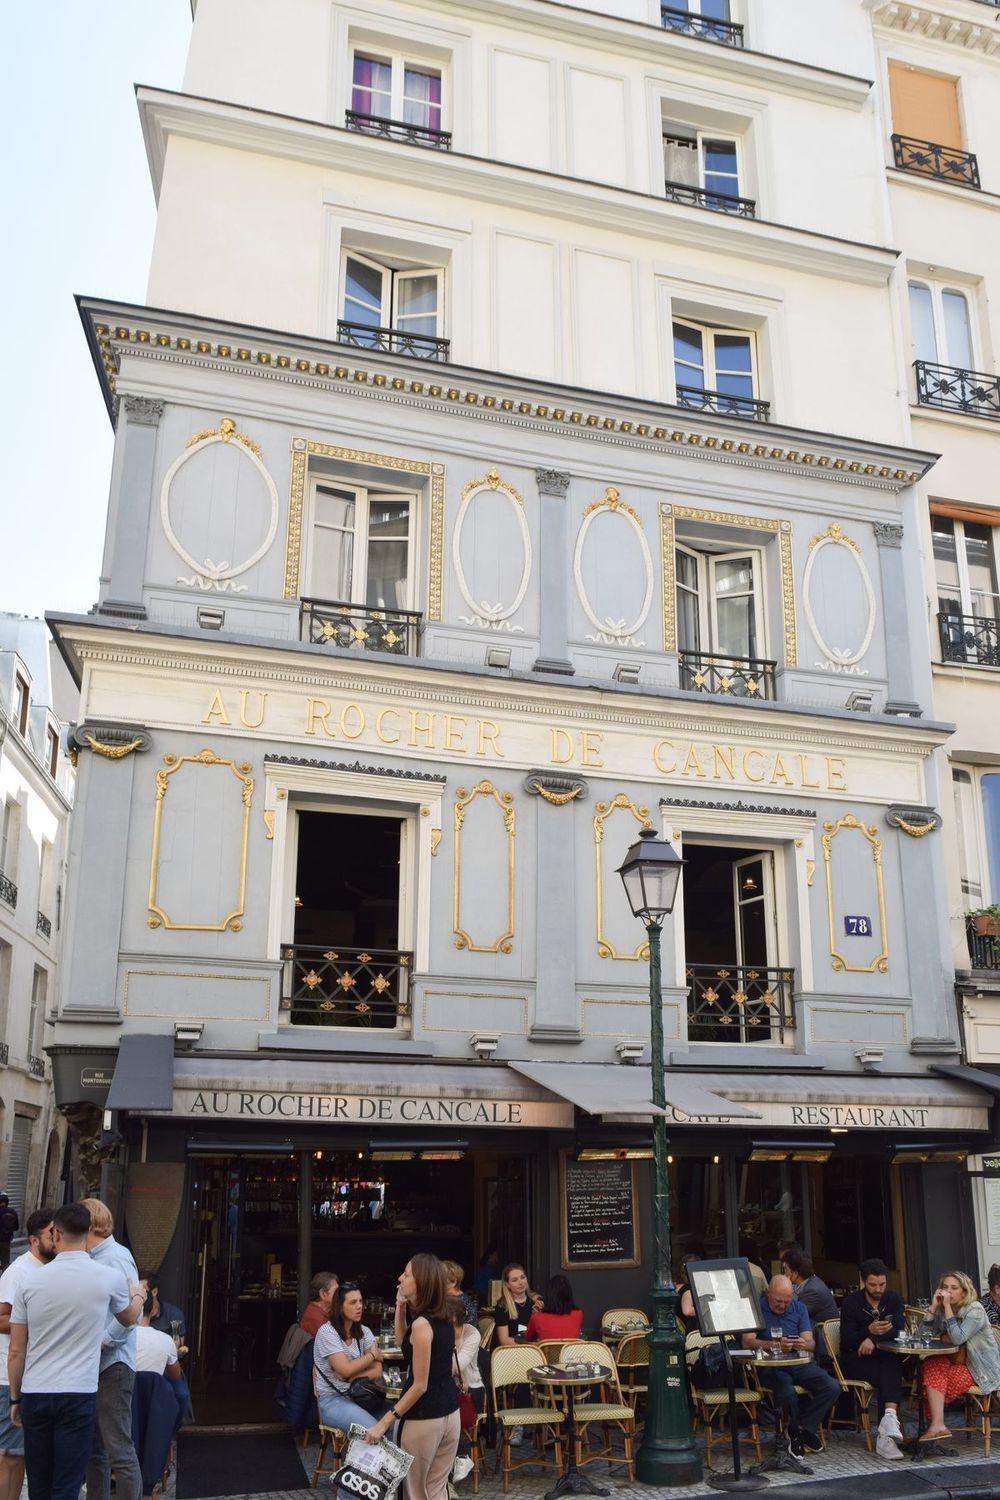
point(317, 1310)
point(558, 1318)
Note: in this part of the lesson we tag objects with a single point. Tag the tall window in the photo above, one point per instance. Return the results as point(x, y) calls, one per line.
point(697, 16)
point(6, 955)
point(967, 826)
point(966, 570)
point(924, 106)
point(707, 162)
point(36, 1014)
point(10, 833)
point(22, 702)
point(941, 325)
point(361, 546)
point(390, 88)
point(386, 308)
point(52, 744)
point(714, 369)
point(718, 603)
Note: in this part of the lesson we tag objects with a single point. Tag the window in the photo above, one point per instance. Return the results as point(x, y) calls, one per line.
point(711, 19)
point(361, 546)
point(944, 352)
point(397, 98)
point(927, 127)
point(703, 168)
point(22, 702)
point(400, 311)
point(6, 956)
point(720, 631)
point(10, 833)
point(714, 370)
point(52, 744)
point(966, 571)
point(967, 825)
point(36, 1014)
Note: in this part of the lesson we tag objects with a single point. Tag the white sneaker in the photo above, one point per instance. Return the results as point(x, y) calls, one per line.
point(886, 1448)
point(889, 1425)
point(516, 1436)
point(462, 1468)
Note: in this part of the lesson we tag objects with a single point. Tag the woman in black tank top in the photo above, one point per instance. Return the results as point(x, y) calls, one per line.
point(427, 1409)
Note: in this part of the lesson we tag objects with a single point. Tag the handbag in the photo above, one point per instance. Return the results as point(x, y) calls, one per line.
point(466, 1409)
point(366, 1394)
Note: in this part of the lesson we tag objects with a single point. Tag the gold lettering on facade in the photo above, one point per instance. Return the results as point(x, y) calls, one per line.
point(319, 711)
point(489, 731)
point(386, 739)
point(421, 723)
point(352, 721)
point(748, 774)
point(454, 728)
point(804, 774)
point(658, 752)
point(261, 707)
point(216, 710)
point(723, 759)
point(836, 774)
point(780, 771)
point(692, 764)
point(590, 748)
point(562, 746)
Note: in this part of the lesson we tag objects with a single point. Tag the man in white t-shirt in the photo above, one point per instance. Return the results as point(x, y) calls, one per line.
point(57, 1322)
point(156, 1352)
point(38, 1228)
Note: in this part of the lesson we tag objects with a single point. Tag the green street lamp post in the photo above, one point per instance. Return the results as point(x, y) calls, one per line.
point(667, 1455)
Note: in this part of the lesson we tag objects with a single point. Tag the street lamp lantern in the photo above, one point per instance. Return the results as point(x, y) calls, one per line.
point(667, 1455)
point(651, 873)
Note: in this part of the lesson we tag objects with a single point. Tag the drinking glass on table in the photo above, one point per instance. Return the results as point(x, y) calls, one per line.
point(776, 1337)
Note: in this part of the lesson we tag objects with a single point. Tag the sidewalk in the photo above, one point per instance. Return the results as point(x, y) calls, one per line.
point(845, 1472)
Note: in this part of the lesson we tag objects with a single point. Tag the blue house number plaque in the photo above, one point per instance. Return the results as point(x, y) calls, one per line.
point(858, 926)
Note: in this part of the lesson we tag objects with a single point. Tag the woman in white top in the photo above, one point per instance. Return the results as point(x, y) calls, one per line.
point(468, 1376)
point(344, 1350)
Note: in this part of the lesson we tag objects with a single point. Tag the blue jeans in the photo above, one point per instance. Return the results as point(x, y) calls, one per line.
point(58, 1430)
point(340, 1411)
point(820, 1387)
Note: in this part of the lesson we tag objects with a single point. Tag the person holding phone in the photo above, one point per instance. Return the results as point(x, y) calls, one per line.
point(957, 1316)
point(871, 1314)
point(784, 1317)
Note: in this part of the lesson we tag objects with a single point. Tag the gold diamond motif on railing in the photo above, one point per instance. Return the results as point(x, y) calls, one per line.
point(404, 960)
point(380, 984)
point(346, 982)
point(330, 957)
point(698, 679)
point(753, 973)
point(311, 980)
point(326, 1005)
point(725, 684)
point(364, 958)
point(710, 996)
point(726, 1020)
point(327, 630)
point(391, 638)
point(752, 685)
point(362, 1008)
point(359, 634)
point(767, 997)
point(740, 997)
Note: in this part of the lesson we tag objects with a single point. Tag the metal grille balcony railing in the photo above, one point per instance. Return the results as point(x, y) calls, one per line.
point(36, 1066)
point(739, 1003)
point(8, 891)
point(359, 627)
point(946, 163)
point(346, 986)
point(726, 32)
point(984, 950)
point(397, 130)
point(955, 389)
point(721, 404)
point(391, 340)
point(44, 925)
point(722, 203)
point(972, 639)
point(749, 677)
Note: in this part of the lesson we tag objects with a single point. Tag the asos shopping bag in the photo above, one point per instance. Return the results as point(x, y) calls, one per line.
point(371, 1471)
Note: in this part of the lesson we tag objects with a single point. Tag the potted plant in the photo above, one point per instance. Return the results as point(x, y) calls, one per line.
point(984, 921)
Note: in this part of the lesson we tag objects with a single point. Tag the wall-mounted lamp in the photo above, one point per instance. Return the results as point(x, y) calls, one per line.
point(861, 700)
point(188, 1032)
point(791, 1151)
point(627, 673)
point(869, 1057)
point(427, 1150)
point(211, 619)
point(630, 1052)
point(608, 1151)
point(499, 657)
point(484, 1043)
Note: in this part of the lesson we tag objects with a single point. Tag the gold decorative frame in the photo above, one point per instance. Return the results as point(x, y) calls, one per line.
point(232, 921)
point(605, 810)
point(881, 962)
point(227, 431)
point(505, 802)
point(782, 529)
point(833, 533)
point(303, 449)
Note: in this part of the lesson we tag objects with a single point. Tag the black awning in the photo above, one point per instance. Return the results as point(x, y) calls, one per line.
point(144, 1072)
point(983, 1078)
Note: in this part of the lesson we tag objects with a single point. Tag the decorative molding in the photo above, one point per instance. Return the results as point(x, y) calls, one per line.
point(669, 514)
point(614, 632)
point(887, 533)
point(268, 816)
point(305, 448)
point(606, 810)
point(552, 482)
point(356, 767)
point(174, 763)
point(435, 840)
point(831, 830)
point(556, 790)
point(739, 807)
point(505, 802)
point(143, 411)
point(839, 659)
point(915, 821)
point(488, 616)
point(208, 575)
point(113, 741)
point(938, 24)
point(810, 871)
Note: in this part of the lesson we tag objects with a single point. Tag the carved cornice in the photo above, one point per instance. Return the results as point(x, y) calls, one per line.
point(552, 482)
point(556, 790)
point(403, 772)
point(887, 533)
point(143, 411)
point(112, 741)
point(944, 23)
point(738, 807)
point(914, 821)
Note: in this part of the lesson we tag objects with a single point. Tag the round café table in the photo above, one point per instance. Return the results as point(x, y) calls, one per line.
point(920, 1352)
point(570, 1378)
point(782, 1459)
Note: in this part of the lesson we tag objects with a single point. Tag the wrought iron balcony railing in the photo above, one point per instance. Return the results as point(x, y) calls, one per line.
point(43, 925)
point(723, 405)
point(955, 389)
point(391, 340)
point(8, 891)
point(946, 163)
point(971, 639)
point(36, 1066)
point(984, 950)
point(721, 203)
point(353, 987)
point(4, 1054)
point(727, 32)
point(739, 1003)
point(360, 627)
point(397, 130)
point(746, 677)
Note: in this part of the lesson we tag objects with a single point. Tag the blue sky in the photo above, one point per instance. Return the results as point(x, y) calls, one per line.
point(79, 216)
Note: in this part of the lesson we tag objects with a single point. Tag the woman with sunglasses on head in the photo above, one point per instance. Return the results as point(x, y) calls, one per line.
point(344, 1350)
point(517, 1303)
point(427, 1408)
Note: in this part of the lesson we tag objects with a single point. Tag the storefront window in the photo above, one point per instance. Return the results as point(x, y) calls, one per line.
point(770, 1206)
point(697, 1207)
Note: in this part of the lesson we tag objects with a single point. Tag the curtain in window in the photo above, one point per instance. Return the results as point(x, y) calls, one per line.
point(734, 608)
point(422, 99)
point(372, 93)
point(417, 304)
point(388, 550)
point(333, 546)
point(680, 157)
point(688, 621)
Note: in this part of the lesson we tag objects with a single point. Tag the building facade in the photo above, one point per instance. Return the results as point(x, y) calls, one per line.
point(36, 789)
point(528, 462)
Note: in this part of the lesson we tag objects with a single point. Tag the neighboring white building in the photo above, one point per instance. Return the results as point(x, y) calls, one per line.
point(36, 789)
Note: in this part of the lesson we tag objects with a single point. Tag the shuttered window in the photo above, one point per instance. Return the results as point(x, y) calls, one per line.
point(924, 106)
point(17, 1164)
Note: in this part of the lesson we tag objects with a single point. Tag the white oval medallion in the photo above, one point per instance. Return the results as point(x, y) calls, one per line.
point(839, 658)
point(490, 614)
point(613, 631)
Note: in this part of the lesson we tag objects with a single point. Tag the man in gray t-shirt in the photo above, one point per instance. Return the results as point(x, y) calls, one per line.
point(57, 1321)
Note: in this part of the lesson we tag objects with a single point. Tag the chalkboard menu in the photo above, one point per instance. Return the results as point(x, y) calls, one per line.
point(600, 1213)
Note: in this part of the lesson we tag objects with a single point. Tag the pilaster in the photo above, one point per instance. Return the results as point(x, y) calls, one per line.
point(553, 654)
point(131, 506)
point(557, 1009)
point(901, 697)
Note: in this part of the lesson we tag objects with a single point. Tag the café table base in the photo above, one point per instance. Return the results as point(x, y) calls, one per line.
point(574, 1483)
point(781, 1461)
point(738, 1484)
point(920, 1452)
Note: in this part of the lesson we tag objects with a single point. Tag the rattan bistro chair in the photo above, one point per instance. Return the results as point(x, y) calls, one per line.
point(713, 1406)
point(329, 1437)
point(632, 1358)
point(611, 1410)
point(862, 1390)
point(509, 1366)
point(979, 1411)
point(622, 1317)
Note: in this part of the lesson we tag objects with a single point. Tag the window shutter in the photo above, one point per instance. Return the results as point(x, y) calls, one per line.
point(924, 106)
point(962, 510)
